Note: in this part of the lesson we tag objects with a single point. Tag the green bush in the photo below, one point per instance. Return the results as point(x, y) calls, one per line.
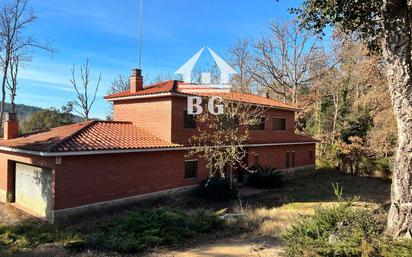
point(385, 165)
point(265, 177)
point(216, 188)
point(144, 229)
point(343, 231)
point(367, 165)
point(323, 163)
point(31, 234)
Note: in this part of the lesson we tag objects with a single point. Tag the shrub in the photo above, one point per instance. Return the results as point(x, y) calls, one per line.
point(341, 230)
point(145, 229)
point(323, 163)
point(216, 188)
point(265, 177)
point(31, 234)
point(368, 165)
point(384, 165)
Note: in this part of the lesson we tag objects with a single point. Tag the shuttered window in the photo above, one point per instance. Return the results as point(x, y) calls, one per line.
point(256, 159)
point(310, 155)
point(189, 120)
point(278, 124)
point(292, 159)
point(191, 169)
point(287, 159)
point(260, 125)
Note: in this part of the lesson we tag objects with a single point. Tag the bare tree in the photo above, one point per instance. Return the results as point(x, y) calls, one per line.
point(15, 17)
point(240, 59)
point(84, 101)
point(220, 138)
point(120, 83)
point(281, 60)
point(163, 77)
point(12, 81)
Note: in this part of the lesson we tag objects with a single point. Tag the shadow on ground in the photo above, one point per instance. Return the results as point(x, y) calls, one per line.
point(304, 192)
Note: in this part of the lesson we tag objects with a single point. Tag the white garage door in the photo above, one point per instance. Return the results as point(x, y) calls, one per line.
point(33, 189)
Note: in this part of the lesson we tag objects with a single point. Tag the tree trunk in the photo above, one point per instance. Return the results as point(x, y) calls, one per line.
point(397, 51)
point(335, 115)
point(3, 87)
point(230, 167)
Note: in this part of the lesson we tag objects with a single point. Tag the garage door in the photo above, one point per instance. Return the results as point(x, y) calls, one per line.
point(33, 189)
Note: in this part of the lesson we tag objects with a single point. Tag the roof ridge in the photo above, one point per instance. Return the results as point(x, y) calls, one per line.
point(114, 121)
point(157, 84)
point(46, 130)
point(64, 140)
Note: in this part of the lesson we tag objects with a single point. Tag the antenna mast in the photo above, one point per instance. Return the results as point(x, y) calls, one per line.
point(140, 34)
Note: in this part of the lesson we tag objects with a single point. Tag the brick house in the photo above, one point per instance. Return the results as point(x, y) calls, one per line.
point(95, 164)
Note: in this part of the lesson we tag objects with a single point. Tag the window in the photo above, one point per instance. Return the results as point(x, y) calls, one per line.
point(191, 169)
point(256, 159)
point(310, 154)
point(189, 120)
point(228, 122)
point(292, 159)
point(260, 125)
point(278, 124)
point(287, 159)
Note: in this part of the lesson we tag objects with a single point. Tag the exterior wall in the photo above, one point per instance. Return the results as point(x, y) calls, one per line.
point(152, 114)
point(268, 134)
point(148, 113)
point(7, 170)
point(101, 181)
point(181, 134)
point(82, 180)
point(274, 156)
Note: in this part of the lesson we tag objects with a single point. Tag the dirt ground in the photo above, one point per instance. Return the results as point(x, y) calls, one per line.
point(10, 215)
point(244, 245)
point(240, 246)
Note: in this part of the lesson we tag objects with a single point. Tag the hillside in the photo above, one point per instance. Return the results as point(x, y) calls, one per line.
point(25, 111)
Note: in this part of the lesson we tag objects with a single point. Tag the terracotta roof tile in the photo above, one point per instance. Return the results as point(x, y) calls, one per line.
point(184, 88)
point(89, 136)
point(45, 140)
point(246, 98)
point(161, 87)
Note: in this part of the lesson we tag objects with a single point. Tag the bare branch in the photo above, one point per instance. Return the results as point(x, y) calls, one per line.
point(82, 90)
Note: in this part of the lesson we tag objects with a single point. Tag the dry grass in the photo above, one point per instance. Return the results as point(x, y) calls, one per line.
point(270, 221)
point(273, 222)
point(263, 217)
point(271, 212)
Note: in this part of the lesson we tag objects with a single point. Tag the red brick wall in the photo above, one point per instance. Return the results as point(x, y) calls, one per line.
point(153, 114)
point(181, 134)
point(164, 118)
point(270, 135)
point(84, 180)
point(274, 156)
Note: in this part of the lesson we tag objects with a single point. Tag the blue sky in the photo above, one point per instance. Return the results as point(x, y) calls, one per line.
point(105, 31)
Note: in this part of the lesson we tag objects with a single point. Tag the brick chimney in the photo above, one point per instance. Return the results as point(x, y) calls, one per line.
point(136, 80)
point(11, 126)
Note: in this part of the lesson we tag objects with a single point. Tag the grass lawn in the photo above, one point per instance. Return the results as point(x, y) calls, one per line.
point(184, 222)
